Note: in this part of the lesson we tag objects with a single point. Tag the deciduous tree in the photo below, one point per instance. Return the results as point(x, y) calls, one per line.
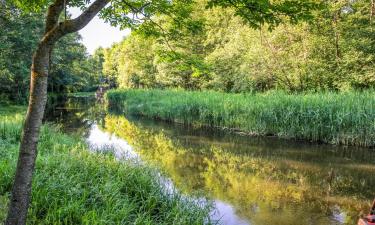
point(124, 13)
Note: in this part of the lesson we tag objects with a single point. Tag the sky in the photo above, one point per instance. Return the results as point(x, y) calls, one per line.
point(98, 34)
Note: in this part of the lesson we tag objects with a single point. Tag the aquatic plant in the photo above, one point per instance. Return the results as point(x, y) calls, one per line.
point(337, 118)
point(75, 186)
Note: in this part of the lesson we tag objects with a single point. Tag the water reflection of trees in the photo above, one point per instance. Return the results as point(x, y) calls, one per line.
point(75, 114)
point(266, 183)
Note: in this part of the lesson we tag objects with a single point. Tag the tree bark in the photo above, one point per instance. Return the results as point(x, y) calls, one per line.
point(21, 191)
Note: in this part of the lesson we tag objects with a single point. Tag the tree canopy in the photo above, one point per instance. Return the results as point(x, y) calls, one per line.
point(166, 25)
point(133, 13)
point(332, 51)
point(72, 68)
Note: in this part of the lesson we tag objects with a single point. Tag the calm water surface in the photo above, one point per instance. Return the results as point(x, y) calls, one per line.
point(258, 181)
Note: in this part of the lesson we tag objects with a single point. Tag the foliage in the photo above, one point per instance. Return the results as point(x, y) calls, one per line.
point(172, 34)
point(346, 118)
point(72, 68)
point(215, 49)
point(18, 39)
point(75, 186)
point(260, 12)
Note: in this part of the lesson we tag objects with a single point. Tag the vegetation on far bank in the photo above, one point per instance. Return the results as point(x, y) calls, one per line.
point(336, 118)
point(75, 186)
point(217, 51)
point(335, 51)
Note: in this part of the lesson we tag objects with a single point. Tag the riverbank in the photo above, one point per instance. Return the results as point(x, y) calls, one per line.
point(335, 118)
point(75, 186)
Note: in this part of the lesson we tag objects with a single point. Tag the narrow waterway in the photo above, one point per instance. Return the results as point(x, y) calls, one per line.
point(251, 180)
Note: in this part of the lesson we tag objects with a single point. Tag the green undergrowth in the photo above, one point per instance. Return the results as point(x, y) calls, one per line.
point(336, 118)
point(75, 186)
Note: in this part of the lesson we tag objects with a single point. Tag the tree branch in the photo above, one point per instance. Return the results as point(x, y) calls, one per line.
point(137, 11)
point(73, 25)
point(70, 26)
point(53, 14)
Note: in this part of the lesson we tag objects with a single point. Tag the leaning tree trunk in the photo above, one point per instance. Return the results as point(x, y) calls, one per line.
point(28, 149)
point(21, 191)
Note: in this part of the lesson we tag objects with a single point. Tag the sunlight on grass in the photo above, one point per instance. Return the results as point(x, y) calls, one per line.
point(336, 118)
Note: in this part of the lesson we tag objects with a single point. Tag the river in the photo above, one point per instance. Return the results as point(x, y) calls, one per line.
point(250, 180)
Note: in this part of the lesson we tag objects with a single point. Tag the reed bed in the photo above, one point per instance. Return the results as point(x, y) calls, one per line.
point(336, 118)
point(75, 186)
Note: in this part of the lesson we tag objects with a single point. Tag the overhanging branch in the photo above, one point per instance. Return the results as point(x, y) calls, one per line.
point(70, 26)
point(73, 25)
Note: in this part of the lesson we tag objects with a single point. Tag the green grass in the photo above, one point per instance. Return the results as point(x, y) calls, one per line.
point(75, 186)
point(336, 118)
point(11, 119)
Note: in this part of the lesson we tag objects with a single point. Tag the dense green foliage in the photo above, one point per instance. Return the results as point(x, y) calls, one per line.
point(72, 69)
point(176, 45)
point(346, 118)
point(334, 51)
point(75, 186)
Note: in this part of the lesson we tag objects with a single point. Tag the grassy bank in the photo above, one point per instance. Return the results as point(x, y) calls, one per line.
point(345, 118)
point(74, 186)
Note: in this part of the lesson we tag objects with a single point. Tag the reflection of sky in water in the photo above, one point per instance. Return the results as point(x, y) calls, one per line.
point(338, 215)
point(226, 214)
point(101, 141)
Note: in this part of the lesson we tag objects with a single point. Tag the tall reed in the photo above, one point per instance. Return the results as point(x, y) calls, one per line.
point(336, 118)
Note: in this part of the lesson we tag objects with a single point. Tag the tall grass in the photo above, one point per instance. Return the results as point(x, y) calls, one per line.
point(336, 118)
point(11, 120)
point(75, 186)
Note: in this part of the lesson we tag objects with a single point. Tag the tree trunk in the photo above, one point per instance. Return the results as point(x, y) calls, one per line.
point(28, 149)
point(21, 191)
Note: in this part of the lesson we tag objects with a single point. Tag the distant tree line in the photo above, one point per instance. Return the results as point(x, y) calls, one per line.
point(72, 68)
point(334, 51)
point(214, 49)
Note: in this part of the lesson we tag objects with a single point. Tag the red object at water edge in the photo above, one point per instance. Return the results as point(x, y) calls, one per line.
point(370, 218)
